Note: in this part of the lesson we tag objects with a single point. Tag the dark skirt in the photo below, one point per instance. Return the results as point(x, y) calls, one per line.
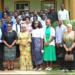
point(10, 54)
point(37, 56)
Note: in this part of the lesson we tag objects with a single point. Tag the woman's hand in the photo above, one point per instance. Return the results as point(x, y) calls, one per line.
point(46, 44)
point(10, 46)
point(67, 49)
point(70, 49)
point(41, 48)
point(21, 43)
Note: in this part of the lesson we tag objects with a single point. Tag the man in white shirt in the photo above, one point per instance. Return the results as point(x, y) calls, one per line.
point(17, 27)
point(35, 14)
point(43, 21)
point(63, 14)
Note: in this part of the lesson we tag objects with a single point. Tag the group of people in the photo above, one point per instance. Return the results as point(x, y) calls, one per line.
point(31, 34)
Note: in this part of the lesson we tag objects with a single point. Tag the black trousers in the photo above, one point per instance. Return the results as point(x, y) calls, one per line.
point(17, 51)
point(70, 65)
point(1, 54)
point(61, 51)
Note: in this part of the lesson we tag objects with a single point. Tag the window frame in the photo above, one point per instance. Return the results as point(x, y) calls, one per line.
point(21, 2)
point(49, 1)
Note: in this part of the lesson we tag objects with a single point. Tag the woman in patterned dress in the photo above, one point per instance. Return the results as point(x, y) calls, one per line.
point(68, 44)
point(24, 40)
point(9, 39)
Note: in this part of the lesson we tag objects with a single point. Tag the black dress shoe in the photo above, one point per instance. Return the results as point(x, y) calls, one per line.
point(1, 68)
point(12, 69)
point(9, 69)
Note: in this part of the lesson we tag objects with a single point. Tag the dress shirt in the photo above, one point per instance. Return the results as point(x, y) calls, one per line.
point(59, 33)
point(63, 14)
point(43, 22)
point(18, 29)
point(37, 33)
point(13, 20)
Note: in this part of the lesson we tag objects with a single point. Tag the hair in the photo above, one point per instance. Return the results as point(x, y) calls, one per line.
point(4, 13)
point(8, 24)
point(27, 17)
point(69, 24)
point(7, 7)
point(39, 24)
point(11, 12)
point(49, 20)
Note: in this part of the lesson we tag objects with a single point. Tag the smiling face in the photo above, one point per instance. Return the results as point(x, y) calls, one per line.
point(9, 27)
point(48, 22)
point(23, 29)
point(36, 25)
point(69, 28)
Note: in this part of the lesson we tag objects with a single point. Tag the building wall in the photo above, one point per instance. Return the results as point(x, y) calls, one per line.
point(34, 4)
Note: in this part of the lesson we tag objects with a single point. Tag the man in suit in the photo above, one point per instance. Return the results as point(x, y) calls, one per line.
point(1, 46)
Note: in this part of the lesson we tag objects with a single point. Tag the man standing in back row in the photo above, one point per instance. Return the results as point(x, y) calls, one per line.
point(64, 14)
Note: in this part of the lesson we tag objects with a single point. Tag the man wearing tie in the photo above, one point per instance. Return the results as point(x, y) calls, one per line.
point(17, 27)
point(1, 46)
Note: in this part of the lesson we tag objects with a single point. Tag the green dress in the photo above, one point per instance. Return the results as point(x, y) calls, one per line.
point(49, 51)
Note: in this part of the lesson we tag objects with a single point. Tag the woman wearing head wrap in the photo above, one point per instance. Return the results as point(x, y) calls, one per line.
point(24, 40)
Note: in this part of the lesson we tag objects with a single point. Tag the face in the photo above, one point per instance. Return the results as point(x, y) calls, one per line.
point(9, 27)
point(22, 13)
point(23, 17)
point(0, 24)
point(11, 14)
point(5, 15)
point(41, 12)
point(44, 16)
point(6, 9)
point(34, 18)
point(48, 23)
point(18, 12)
point(60, 21)
point(45, 11)
point(31, 14)
point(69, 28)
point(18, 20)
point(9, 19)
point(52, 8)
point(15, 14)
point(27, 20)
point(23, 29)
point(36, 24)
point(35, 12)
point(62, 6)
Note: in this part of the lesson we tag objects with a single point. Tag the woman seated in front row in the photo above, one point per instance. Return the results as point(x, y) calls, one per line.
point(68, 44)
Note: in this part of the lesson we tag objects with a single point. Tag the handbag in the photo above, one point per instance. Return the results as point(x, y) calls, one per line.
point(69, 57)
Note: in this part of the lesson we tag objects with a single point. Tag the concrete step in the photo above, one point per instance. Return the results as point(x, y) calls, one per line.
point(16, 64)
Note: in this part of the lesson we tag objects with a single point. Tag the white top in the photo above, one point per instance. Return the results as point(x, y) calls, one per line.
point(43, 22)
point(31, 20)
point(63, 14)
point(51, 34)
point(18, 28)
point(37, 33)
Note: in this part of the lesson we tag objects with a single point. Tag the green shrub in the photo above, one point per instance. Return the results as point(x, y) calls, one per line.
point(65, 22)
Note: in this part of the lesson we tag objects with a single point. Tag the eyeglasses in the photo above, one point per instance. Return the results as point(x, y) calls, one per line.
point(8, 26)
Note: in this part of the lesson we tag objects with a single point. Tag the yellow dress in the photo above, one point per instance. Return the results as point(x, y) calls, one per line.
point(25, 52)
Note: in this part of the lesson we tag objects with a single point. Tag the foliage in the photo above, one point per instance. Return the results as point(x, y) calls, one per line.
point(65, 22)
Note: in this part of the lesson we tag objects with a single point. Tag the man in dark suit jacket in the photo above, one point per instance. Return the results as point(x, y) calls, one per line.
point(1, 47)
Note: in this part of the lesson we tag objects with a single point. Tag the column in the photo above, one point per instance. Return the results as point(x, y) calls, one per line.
point(72, 9)
point(66, 4)
point(1, 6)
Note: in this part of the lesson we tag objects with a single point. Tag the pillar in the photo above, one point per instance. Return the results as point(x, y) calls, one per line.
point(72, 9)
point(66, 4)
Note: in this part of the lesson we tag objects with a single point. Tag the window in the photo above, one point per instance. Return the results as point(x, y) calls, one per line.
point(22, 6)
point(46, 5)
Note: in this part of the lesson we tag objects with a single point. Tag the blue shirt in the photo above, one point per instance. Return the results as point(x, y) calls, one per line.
point(4, 26)
point(0, 15)
point(13, 20)
point(59, 33)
